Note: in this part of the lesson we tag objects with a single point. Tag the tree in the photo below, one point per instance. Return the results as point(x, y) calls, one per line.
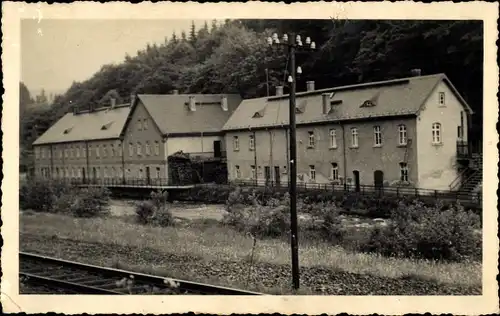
point(25, 99)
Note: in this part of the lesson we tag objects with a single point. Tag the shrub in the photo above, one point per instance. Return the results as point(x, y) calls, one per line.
point(42, 195)
point(155, 211)
point(428, 232)
point(90, 202)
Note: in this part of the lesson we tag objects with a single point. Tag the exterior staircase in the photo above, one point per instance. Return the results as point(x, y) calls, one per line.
point(474, 180)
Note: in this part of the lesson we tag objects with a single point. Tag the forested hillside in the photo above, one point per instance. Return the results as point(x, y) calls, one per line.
point(233, 57)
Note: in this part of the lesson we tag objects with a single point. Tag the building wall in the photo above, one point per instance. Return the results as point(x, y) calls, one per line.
point(439, 164)
point(43, 165)
point(367, 158)
point(194, 144)
point(137, 163)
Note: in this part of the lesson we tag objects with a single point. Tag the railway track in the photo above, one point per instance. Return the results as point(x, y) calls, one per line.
point(69, 277)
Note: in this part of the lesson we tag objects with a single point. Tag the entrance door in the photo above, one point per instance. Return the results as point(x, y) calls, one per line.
point(148, 176)
point(378, 178)
point(277, 178)
point(267, 173)
point(356, 180)
point(217, 149)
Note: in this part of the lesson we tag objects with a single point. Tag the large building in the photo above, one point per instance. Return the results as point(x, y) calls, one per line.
point(410, 132)
point(133, 141)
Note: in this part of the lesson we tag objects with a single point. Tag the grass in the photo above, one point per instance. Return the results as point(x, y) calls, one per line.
point(210, 241)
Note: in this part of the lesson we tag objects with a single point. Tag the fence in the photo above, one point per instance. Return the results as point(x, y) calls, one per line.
point(397, 191)
point(117, 182)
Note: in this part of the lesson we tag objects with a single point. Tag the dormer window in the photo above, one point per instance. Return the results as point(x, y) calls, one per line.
point(367, 104)
point(106, 126)
point(66, 131)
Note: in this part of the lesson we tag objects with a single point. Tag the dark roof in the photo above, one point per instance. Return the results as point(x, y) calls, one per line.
point(370, 100)
point(104, 123)
point(172, 114)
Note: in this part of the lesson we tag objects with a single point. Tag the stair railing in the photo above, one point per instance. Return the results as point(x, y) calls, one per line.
point(459, 179)
point(470, 177)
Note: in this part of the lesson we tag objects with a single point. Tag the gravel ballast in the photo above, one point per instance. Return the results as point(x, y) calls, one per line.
point(261, 276)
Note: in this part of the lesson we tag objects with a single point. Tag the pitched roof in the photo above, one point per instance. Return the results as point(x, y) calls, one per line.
point(104, 123)
point(172, 114)
point(376, 99)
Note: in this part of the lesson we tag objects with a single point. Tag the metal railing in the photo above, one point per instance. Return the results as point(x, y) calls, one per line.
point(398, 191)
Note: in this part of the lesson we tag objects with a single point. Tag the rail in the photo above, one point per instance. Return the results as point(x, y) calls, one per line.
point(459, 179)
point(90, 279)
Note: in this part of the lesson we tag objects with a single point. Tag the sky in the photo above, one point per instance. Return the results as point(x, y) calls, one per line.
point(54, 53)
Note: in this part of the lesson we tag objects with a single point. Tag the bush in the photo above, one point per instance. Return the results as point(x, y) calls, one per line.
point(428, 232)
point(41, 195)
point(155, 211)
point(91, 202)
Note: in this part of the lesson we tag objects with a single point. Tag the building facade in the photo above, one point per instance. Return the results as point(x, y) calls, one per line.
point(131, 143)
point(404, 132)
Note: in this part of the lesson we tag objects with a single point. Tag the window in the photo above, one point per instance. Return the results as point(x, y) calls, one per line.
point(436, 133)
point(402, 134)
point(65, 152)
point(140, 173)
point(104, 151)
point(377, 134)
point(139, 125)
point(120, 152)
point(148, 149)
point(459, 132)
point(236, 143)
point(145, 124)
point(90, 151)
point(354, 137)
point(105, 172)
point(441, 99)
point(333, 138)
point(112, 172)
point(112, 151)
point(158, 173)
point(312, 173)
point(284, 170)
point(335, 171)
point(97, 151)
point(237, 172)
point(253, 172)
point(77, 151)
point(42, 151)
point(251, 142)
point(139, 149)
point(403, 167)
point(311, 139)
point(98, 172)
point(49, 153)
point(130, 149)
point(157, 148)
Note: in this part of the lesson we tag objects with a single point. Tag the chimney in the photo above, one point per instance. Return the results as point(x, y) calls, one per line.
point(416, 72)
point(113, 102)
point(310, 85)
point(132, 99)
point(192, 103)
point(175, 91)
point(279, 90)
point(326, 103)
point(223, 103)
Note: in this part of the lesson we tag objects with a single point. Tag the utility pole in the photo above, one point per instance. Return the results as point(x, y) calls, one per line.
point(293, 45)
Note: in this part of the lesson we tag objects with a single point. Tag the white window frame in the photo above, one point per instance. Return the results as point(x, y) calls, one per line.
point(112, 152)
point(377, 136)
point(97, 153)
point(236, 143)
point(237, 172)
point(312, 173)
point(130, 149)
point(120, 151)
point(402, 135)
point(436, 133)
point(139, 149)
point(104, 151)
point(333, 138)
point(90, 151)
point(148, 149)
point(442, 98)
point(311, 140)
point(403, 172)
point(251, 142)
point(139, 125)
point(77, 152)
point(158, 172)
point(157, 148)
point(334, 172)
point(354, 137)
point(145, 124)
point(253, 173)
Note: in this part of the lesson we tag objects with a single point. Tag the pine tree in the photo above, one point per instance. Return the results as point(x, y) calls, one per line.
point(192, 33)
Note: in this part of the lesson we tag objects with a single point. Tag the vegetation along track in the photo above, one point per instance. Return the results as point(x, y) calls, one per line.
point(38, 271)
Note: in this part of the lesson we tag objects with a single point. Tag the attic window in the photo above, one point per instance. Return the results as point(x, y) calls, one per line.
point(66, 131)
point(367, 104)
point(258, 114)
point(106, 126)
